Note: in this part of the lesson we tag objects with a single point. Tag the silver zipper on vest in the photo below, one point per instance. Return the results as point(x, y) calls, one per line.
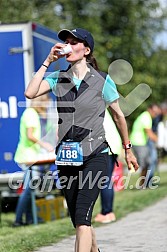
point(73, 124)
point(90, 139)
point(73, 118)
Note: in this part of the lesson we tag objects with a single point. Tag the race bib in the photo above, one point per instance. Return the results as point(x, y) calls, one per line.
point(70, 153)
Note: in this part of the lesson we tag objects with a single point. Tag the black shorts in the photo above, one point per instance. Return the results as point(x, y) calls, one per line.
point(81, 186)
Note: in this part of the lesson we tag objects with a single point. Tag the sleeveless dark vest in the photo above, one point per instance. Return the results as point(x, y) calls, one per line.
point(81, 112)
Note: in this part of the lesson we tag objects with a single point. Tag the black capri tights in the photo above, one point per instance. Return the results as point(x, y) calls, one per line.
point(81, 186)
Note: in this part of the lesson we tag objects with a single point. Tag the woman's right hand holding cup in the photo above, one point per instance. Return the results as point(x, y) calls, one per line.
point(55, 52)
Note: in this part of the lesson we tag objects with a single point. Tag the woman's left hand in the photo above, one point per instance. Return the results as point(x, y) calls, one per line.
point(131, 160)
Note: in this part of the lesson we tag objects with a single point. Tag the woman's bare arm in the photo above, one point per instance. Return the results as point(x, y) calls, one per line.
point(37, 85)
point(121, 125)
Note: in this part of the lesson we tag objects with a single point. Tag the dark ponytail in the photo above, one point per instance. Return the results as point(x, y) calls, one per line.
point(92, 61)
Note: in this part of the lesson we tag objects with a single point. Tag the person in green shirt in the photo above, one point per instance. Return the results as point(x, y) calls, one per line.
point(141, 133)
point(29, 146)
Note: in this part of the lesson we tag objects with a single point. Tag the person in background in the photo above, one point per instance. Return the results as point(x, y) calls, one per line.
point(153, 145)
point(82, 93)
point(162, 132)
point(107, 214)
point(29, 146)
point(140, 134)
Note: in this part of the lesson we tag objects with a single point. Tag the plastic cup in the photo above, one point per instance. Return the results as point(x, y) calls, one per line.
point(65, 50)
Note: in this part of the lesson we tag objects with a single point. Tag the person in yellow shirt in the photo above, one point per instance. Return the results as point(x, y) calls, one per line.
point(113, 138)
point(27, 150)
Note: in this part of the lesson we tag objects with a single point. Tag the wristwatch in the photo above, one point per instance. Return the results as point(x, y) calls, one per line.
point(127, 146)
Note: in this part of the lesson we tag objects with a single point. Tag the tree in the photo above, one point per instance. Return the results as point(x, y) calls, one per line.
point(122, 30)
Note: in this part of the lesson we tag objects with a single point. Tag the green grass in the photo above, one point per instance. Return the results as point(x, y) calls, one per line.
point(28, 238)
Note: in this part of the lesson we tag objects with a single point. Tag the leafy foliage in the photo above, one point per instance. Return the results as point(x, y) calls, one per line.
point(122, 30)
